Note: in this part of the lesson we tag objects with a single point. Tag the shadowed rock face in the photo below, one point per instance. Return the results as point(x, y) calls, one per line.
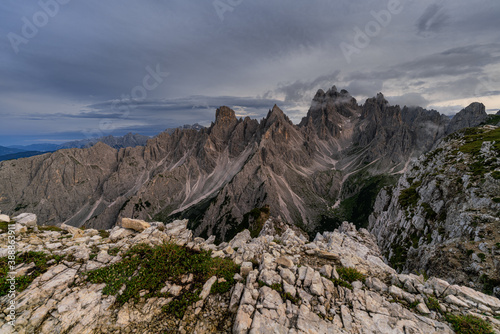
point(217, 175)
point(442, 217)
point(468, 117)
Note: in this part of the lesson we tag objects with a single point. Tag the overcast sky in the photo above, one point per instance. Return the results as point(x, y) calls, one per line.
point(68, 68)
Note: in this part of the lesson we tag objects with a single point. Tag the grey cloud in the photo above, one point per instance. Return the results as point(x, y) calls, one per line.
point(409, 99)
point(299, 90)
point(264, 52)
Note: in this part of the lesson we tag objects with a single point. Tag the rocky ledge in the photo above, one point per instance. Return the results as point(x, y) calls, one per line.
point(337, 283)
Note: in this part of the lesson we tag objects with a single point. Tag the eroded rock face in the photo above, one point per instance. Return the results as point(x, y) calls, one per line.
point(443, 216)
point(306, 300)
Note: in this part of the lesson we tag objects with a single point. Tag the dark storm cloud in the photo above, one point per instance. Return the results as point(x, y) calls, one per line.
point(432, 20)
point(92, 53)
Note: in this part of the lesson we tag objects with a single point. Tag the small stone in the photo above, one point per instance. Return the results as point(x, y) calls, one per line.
point(207, 287)
point(422, 308)
point(395, 292)
point(284, 261)
point(326, 270)
point(246, 267)
point(451, 299)
point(235, 297)
point(134, 224)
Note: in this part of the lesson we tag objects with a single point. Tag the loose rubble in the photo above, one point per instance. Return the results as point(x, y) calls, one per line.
point(285, 285)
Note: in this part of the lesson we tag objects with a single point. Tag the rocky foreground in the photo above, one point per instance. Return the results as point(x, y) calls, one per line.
point(285, 284)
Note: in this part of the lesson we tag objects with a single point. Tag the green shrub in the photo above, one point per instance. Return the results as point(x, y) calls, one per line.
point(496, 175)
point(468, 324)
point(482, 256)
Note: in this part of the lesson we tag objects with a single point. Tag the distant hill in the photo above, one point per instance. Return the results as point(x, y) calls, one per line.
point(37, 147)
point(24, 154)
point(129, 140)
point(195, 126)
point(9, 150)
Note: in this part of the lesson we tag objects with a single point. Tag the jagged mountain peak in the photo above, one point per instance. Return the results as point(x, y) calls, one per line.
point(225, 116)
point(328, 111)
point(275, 115)
point(472, 115)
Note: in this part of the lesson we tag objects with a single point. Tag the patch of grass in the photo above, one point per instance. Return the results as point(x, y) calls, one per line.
point(221, 287)
point(294, 300)
point(482, 256)
point(277, 287)
point(429, 212)
point(409, 197)
point(468, 324)
point(399, 255)
point(40, 259)
point(469, 252)
point(179, 306)
point(113, 251)
point(474, 139)
point(50, 228)
point(488, 283)
point(103, 234)
point(277, 241)
point(144, 267)
point(496, 175)
point(339, 282)
point(350, 274)
point(433, 304)
point(4, 226)
point(414, 304)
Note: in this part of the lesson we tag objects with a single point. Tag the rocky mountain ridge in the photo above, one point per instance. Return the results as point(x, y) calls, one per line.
point(443, 217)
point(217, 176)
point(283, 283)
